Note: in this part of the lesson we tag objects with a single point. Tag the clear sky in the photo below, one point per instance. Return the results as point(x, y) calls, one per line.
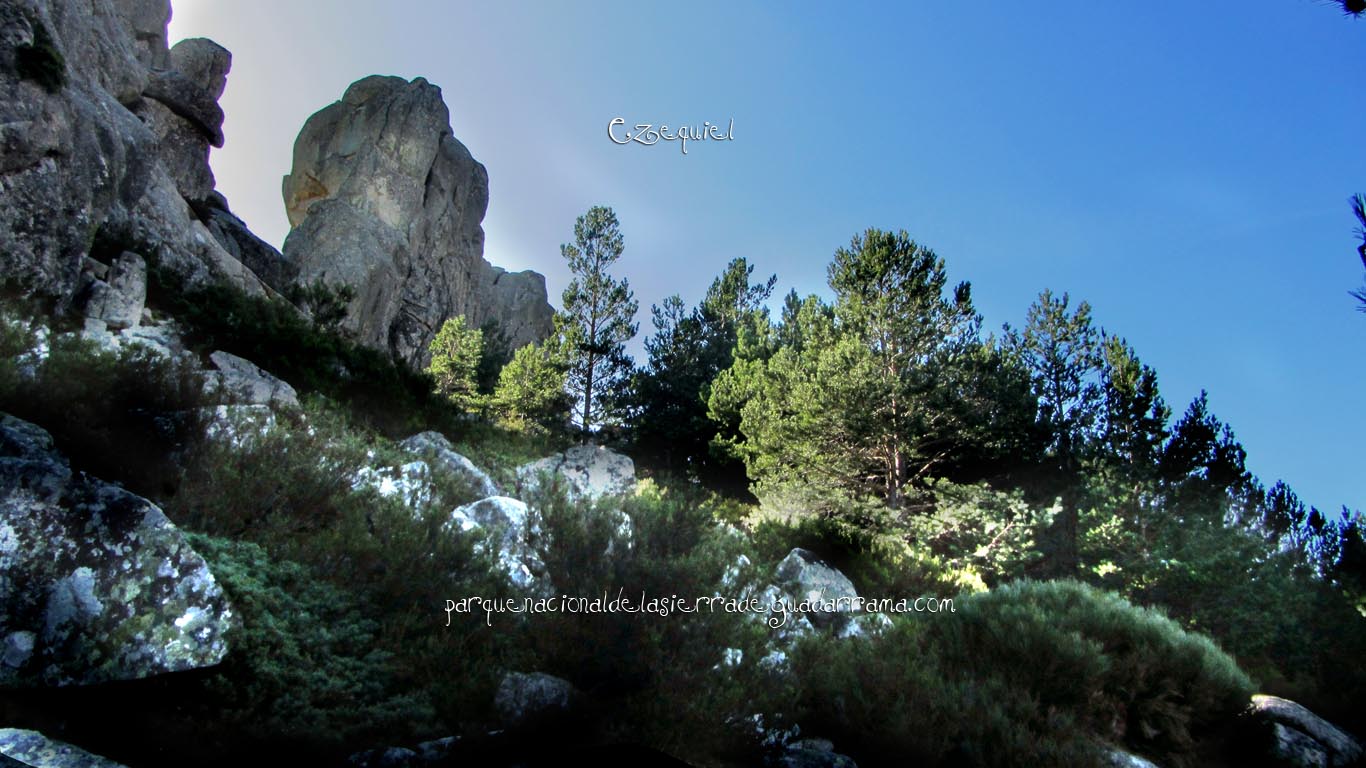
point(1184, 167)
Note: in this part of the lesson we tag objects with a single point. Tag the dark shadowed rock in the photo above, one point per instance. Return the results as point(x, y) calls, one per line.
point(183, 149)
point(97, 584)
point(185, 98)
point(383, 198)
point(1299, 737)
point(535, 699)
point(243, 245)
point(119, 298)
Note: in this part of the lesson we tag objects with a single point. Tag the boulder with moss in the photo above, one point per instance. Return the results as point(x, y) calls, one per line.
point(98, 584)
point(26, 747)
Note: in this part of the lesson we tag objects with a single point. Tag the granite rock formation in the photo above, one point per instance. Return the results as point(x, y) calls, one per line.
point(104, 137)
point(382, 197)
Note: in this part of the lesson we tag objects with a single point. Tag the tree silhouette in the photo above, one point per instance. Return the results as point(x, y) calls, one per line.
point(1359, 208)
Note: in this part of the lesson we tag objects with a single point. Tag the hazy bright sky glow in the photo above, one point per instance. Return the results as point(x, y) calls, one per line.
point(1184, 167)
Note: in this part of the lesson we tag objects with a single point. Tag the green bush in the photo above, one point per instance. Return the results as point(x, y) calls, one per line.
point(879, 564)
point(280, 338)
point(658, 678)
point(305, 671)
point(288, 487)
point(127, 417)
point(1030, 673)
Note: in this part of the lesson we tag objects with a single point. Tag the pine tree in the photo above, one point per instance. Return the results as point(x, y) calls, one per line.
point(1062, 351)
point(456, 351)
point(686, 353)
point(530, 393)
point(597, 320)
point(890, 295)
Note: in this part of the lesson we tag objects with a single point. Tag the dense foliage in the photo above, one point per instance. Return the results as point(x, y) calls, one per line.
point(1120, 577)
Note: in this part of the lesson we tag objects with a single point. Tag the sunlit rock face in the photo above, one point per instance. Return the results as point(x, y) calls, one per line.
point(584, 471)
point(383, 198)
point(96, 584)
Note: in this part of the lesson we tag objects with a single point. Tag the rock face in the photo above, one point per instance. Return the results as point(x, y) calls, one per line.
point(119, 296)
point(97, 584)
point(586, 471)
point(102, 140)
point(242, 244)
point(383, 198)
point(182, 110)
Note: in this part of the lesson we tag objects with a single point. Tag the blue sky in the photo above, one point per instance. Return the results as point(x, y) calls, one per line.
point(1184, 167)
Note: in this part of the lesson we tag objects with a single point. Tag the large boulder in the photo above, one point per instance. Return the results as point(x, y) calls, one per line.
point(243, 382)
point(1294, 736)
point(410, 483)
point(584, 471)
point(532, 700)
point(383, 198)
point(98, 584)
point(510, 527)
point(828, 595)
point(440, 453)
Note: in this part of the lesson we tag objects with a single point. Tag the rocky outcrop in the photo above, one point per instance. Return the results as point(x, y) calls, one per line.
point(97, 584)
point(182, 110)
point(584, 472)
point(242, 244)
point(243, 382)
point(510, 527)
point(438, 450)
point(516, 303)
point(116, 295)
point(90, 160)
point(382, 197)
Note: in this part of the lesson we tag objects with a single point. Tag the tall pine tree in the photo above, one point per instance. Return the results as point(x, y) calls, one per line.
point(597, 320)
